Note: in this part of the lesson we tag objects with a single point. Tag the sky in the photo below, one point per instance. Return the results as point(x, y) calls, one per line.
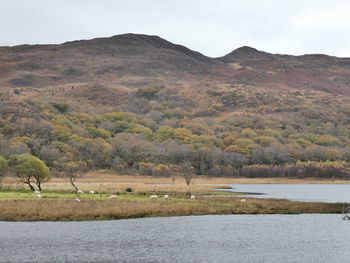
point(212, 27)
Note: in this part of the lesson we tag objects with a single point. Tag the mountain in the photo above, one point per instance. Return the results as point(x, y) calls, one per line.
point(112, 58)
point(311, 72)
point(130, 60)
point(132, 99)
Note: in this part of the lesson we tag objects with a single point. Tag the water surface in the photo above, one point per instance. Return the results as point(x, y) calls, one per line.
point(328, 193)
point(227, 238)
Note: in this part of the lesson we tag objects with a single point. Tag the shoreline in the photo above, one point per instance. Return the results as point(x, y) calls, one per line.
point(162, 216)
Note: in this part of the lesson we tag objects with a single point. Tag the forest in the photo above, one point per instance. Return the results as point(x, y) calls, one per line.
point(160, 131)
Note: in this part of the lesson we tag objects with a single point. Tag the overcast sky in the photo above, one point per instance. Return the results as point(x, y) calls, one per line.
point(212, 27)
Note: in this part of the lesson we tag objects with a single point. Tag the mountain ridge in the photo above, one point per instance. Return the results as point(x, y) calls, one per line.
point(160, 38)
point(118, 60)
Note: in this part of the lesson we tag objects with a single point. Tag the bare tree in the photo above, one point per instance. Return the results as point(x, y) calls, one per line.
point(188, 172)
point(3, 169)
point(72, 170)
point(175, 169)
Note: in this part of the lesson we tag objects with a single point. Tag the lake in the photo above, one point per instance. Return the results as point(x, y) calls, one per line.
point(226, 238)
point(328, 193)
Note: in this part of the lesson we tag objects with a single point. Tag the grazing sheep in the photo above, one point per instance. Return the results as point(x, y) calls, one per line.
point(77, 199)
point(166, 196)
point(92, 192)
point(79, 192)
point(153, 197)
point(37, 192)
point(38, 195)
point(243, 200)
point(113, 197)
point(193, 197)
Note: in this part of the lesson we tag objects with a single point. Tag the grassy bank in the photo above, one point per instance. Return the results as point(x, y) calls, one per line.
point(138, 206)
point(57, 202)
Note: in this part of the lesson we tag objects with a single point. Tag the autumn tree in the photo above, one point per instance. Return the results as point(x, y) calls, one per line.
point(165, 133)
point(174, 153)
point(30, 170)
point(275, 154)
point(65, 161)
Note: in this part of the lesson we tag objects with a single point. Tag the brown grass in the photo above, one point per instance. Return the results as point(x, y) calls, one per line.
point(53, 210)
point(108, 182)
point(105, 181)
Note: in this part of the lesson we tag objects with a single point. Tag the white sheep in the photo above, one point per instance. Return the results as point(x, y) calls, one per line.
point(91, 192)
point(37, 192)
point(166, 196)
point(38, 196)
point(79, 192)
point(113, 197)
point(77, 199)
point(153, 197)
point(193, 197)
point(243, 200)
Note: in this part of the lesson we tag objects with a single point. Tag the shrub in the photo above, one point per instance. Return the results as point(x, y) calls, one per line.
point(264, 140)
point(327, 141)
point(148, 93)
point(145, 168)
point(98, 132)
point(161, 170)
point(61, 107)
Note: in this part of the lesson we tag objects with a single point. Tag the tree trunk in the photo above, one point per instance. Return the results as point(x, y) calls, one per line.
point(72, 183)
point(31, 187)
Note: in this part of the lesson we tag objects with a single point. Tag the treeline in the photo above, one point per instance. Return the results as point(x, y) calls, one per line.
point(31, 171)
point(299, 170)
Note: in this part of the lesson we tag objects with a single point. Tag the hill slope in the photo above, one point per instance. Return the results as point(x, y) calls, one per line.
point(312, 72)
point(140, 102)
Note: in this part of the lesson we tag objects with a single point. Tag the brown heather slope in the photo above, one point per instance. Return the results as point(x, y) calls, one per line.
point(129, 61)
point(312, 72)
point(101, 59)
